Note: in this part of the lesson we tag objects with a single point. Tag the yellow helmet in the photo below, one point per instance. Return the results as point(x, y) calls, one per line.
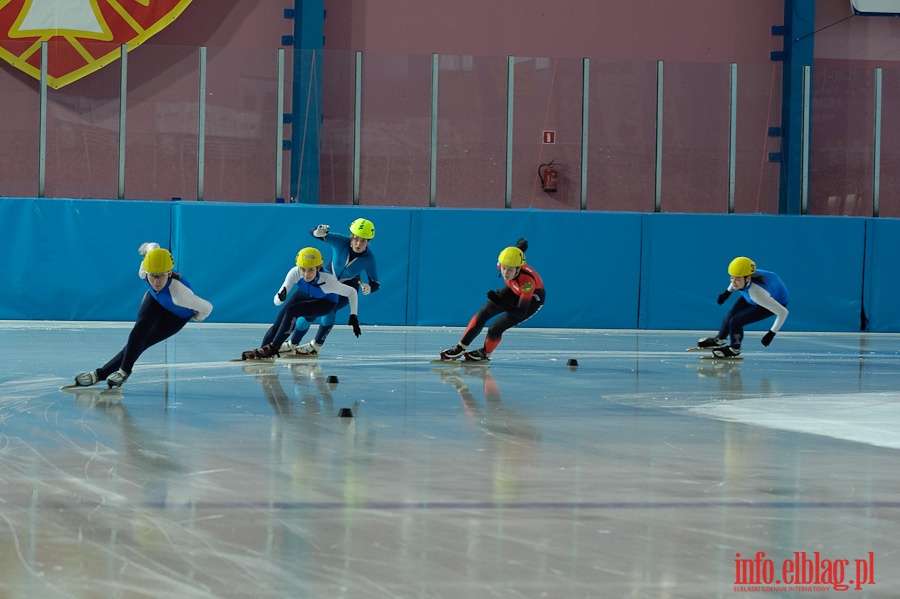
point(362, 228)
point(157, 262)
point(511, 256)
point(741, 267)
point(309, 257)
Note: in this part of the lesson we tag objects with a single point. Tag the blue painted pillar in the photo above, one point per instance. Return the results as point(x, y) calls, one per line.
point(306, 99)
point(799, 27)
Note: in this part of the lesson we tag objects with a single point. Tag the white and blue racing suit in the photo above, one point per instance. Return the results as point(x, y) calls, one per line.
point(162, 314)
point(762, 297)
point(347, 266)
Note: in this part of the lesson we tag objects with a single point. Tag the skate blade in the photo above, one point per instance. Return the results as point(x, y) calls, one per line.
point(95, 389)
point(736, 358)
point(464, 363)
point(252, 360)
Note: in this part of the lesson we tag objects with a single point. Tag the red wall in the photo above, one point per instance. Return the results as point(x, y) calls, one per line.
point(688, 30)
point(696, 38)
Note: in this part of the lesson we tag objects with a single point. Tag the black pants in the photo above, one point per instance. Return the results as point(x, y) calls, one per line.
point(504, 322)
point(741, 314)
point(297, 306)
point(153, 324)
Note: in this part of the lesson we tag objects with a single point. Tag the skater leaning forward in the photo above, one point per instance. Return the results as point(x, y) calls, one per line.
point(316, 294)
point(350, 258)
point(168, 305)
point(513, 304)
point(762, 295)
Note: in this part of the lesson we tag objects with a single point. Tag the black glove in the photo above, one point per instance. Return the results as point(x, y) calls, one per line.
point(767, 338)
point(497, 299)
point(354, 322)
point(282, 294)
point(522, 244)
point(723, 296)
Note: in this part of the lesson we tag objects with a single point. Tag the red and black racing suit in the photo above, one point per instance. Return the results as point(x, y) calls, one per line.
point(523, 296)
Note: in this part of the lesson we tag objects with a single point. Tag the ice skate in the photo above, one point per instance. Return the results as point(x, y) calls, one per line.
point(86, 379)
point(116, 379)
point(307, 350)
point(452, 353)
point(727, 352)
point(263, 353)
point(479, 355)
point(252, 354)
point(711, 342)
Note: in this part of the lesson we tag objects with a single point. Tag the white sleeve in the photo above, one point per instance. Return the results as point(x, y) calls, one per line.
point(291, 279)
point(330, 284)
point(147, 246)
point(764, 298)
point(184, 297)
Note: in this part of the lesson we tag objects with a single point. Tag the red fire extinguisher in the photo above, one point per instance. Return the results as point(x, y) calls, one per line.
point(549, 177)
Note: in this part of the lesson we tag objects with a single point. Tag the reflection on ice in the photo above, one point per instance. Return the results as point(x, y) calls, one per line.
point(639, 474)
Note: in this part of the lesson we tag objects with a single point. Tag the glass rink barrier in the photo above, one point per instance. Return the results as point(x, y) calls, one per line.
point(576, 464)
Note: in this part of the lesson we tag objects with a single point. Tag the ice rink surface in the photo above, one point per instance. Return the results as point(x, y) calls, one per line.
point(641, 473)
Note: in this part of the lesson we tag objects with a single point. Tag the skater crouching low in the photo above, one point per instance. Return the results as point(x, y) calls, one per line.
point(316, 294)
point(763, 294)
point(168, 305)
point(513, 304)
point(350, 258)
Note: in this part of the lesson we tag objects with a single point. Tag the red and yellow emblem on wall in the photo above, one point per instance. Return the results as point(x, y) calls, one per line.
point(83, 35)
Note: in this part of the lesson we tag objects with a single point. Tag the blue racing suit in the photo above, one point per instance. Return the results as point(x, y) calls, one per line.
point(347, 266)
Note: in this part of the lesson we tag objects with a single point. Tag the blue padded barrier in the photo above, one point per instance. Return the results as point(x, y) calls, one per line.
point(237, 255)
point(589, 263)
point(882, 284)
point(77, 260)
point(685, 262)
